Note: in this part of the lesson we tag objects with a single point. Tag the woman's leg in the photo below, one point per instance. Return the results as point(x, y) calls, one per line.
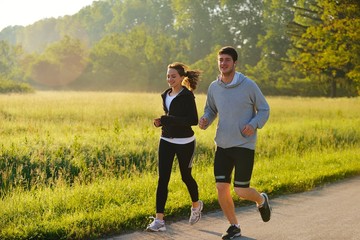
point(165, 161)
point(185, 154)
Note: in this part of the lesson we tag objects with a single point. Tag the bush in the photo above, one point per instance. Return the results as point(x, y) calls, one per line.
point(9, 86)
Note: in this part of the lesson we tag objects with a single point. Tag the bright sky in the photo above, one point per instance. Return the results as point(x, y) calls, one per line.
point(26, 12)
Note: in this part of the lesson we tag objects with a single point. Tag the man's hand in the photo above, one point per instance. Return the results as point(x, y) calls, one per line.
point(203, 123)
point(248, 130)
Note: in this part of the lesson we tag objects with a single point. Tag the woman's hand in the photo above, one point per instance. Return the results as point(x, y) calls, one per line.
point(157, 122)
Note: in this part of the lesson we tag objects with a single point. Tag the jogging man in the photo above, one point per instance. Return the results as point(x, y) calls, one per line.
point(242, 109)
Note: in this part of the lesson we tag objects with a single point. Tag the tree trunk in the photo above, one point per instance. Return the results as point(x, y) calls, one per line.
point(333, 87)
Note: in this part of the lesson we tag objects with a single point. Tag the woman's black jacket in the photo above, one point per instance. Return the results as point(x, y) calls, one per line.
point(177, 121)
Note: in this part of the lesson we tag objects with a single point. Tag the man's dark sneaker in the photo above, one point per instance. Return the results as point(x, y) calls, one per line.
point(265, 208)
point(232, 232)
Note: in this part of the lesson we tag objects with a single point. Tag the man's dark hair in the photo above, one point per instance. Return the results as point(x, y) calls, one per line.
point(229, 51)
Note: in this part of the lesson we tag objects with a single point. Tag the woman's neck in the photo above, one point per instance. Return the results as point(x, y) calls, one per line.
point(175, 90)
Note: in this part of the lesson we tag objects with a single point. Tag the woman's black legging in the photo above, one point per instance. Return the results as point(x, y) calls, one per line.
point(184, 153)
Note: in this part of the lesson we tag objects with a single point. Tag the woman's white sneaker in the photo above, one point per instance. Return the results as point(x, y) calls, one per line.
point(195, 215)
point(156, 225)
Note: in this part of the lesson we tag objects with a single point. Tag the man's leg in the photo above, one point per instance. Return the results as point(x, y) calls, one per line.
point(226, 202)
point(249, 194)
point(223, 167)
point(243, 171)
point(244, 165)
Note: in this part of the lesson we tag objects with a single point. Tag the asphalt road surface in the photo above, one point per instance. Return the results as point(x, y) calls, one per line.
point(330, 212)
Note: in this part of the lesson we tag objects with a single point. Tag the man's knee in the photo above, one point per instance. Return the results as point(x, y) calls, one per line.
point(223, 187)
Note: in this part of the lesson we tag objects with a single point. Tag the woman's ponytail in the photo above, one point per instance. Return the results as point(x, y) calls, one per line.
point(192, 77)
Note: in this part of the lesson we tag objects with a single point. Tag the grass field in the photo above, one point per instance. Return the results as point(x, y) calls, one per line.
point(82, 165)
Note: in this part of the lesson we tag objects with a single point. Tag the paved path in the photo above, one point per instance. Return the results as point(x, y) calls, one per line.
point(331, 212)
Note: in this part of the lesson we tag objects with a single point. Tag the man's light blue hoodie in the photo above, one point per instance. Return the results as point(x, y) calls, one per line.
point(237, 103)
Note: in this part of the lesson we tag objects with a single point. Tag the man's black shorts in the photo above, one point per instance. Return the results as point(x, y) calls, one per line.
point(226, 159)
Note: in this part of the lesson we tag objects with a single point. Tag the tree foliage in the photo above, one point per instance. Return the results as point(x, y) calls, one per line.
point(290, 47)
point(329, 47)
point(274, 71)
point(60, 64)
point(11, 73)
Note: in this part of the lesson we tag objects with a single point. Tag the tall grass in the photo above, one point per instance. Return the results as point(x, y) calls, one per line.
point(78, 165)
point(75, 137)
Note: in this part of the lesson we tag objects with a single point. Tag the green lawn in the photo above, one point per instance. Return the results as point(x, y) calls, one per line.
point(82, 165)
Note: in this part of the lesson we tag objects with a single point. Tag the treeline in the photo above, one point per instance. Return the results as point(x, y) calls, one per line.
point(289, 47)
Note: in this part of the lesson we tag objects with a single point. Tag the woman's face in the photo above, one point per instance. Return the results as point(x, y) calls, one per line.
point(173, 78)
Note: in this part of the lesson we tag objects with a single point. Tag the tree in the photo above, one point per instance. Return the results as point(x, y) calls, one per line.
point(11, 72)
point(194, 24)
point(209, 68)
point(37, 36)
point(7, 59)
point(11, 58)
point(273, 71)
point(62, 63)
point(329, 45)
point(244, 20)
point(136, 60)
point(90, 23)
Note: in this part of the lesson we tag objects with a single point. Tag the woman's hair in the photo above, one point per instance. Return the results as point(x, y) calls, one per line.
point(229, 51)
point(191, 76)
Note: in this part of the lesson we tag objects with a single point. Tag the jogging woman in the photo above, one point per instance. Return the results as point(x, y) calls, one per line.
point(177, 139)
